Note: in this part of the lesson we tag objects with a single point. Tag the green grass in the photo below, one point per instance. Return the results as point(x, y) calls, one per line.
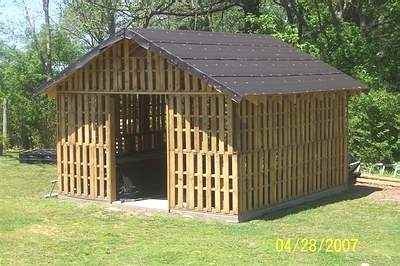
point(34, 230)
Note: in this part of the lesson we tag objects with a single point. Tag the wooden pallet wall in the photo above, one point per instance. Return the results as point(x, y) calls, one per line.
point(202, 162)
point(126, 68)
point(140, 123)
point(290, 146)
point(85, 146)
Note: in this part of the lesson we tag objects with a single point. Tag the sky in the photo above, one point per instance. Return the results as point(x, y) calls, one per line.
point(12, 18)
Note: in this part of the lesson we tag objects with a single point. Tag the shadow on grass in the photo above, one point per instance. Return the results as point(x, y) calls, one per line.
point(13, 157)
point(356, 192)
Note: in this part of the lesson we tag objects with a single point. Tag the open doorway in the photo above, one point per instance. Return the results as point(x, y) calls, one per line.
point(141, 150)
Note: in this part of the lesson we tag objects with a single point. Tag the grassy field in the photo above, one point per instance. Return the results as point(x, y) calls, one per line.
point(34, 230)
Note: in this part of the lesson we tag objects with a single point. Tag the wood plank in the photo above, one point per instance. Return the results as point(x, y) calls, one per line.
point(142, 75)
point(208, 182)
point(200, 178)
point(235, 184)
point(126, 69)
point(179, 149)
point(79, 143)
point(213, 117)
point(254, 135)
point(188, 126)
point(274, 177)
point(300, 148)
point(225, 174)
point(171, 153)
point(161, 74)
point(92, 147)
point(149, 72)
point(218, 177)
point(59, 145)
point(205, 123)
point(190, 180)
point(110, 151)
point(72, 143)
point(85, 146)
point(134, 72)
point(62, 177)
point(101, 142)
point(196, 119)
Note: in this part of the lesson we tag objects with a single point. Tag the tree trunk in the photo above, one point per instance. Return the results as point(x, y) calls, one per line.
point(47, 53)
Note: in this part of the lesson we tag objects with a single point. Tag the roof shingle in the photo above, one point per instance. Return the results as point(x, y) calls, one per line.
point(238, 64)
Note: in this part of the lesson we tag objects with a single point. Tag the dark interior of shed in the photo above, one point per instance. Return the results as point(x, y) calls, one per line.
point(140, 147)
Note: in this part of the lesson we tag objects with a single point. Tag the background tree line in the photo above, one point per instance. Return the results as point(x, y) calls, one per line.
point(360, 37)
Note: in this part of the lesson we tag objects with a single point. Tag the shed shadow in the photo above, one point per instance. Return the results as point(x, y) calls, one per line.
point(356, 192)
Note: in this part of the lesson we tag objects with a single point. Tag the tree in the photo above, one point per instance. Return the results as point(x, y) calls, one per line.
point(48, 69)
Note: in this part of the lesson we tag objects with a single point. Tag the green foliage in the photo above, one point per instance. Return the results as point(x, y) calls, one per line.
point(374, 120)
point(31, 118)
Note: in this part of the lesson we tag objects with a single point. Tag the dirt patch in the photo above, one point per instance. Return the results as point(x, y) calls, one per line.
point(391, 194)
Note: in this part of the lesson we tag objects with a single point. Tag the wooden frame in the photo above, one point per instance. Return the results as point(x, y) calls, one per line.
point(222, 157)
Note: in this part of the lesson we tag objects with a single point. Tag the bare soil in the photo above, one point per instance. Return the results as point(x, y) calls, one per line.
point(385, 193)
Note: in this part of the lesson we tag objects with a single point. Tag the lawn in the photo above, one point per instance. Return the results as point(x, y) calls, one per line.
point(34, 230)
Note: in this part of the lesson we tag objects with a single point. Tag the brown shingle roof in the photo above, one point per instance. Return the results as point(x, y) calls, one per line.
point(237, 64)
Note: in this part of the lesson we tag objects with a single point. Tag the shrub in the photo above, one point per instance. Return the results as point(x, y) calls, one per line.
point(374, 126)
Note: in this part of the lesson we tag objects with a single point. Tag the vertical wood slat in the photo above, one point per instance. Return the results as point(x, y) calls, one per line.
point(71, 143)
point(93, 147)
point(149, 63)
point(110, 148)
point(210, 203)
point(171, 144)
point(180, 150)
point(86, 141)
point(101, 150)
point(79, 145)
point(64, 106)
point(61, 144)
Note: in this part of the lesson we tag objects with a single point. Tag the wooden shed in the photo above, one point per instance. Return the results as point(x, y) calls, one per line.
point(225, 124)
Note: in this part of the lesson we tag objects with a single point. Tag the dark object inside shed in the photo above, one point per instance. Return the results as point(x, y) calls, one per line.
point(141, 176)
point(38, 156)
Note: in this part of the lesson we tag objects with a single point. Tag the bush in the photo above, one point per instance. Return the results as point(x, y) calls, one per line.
point(374, 126)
